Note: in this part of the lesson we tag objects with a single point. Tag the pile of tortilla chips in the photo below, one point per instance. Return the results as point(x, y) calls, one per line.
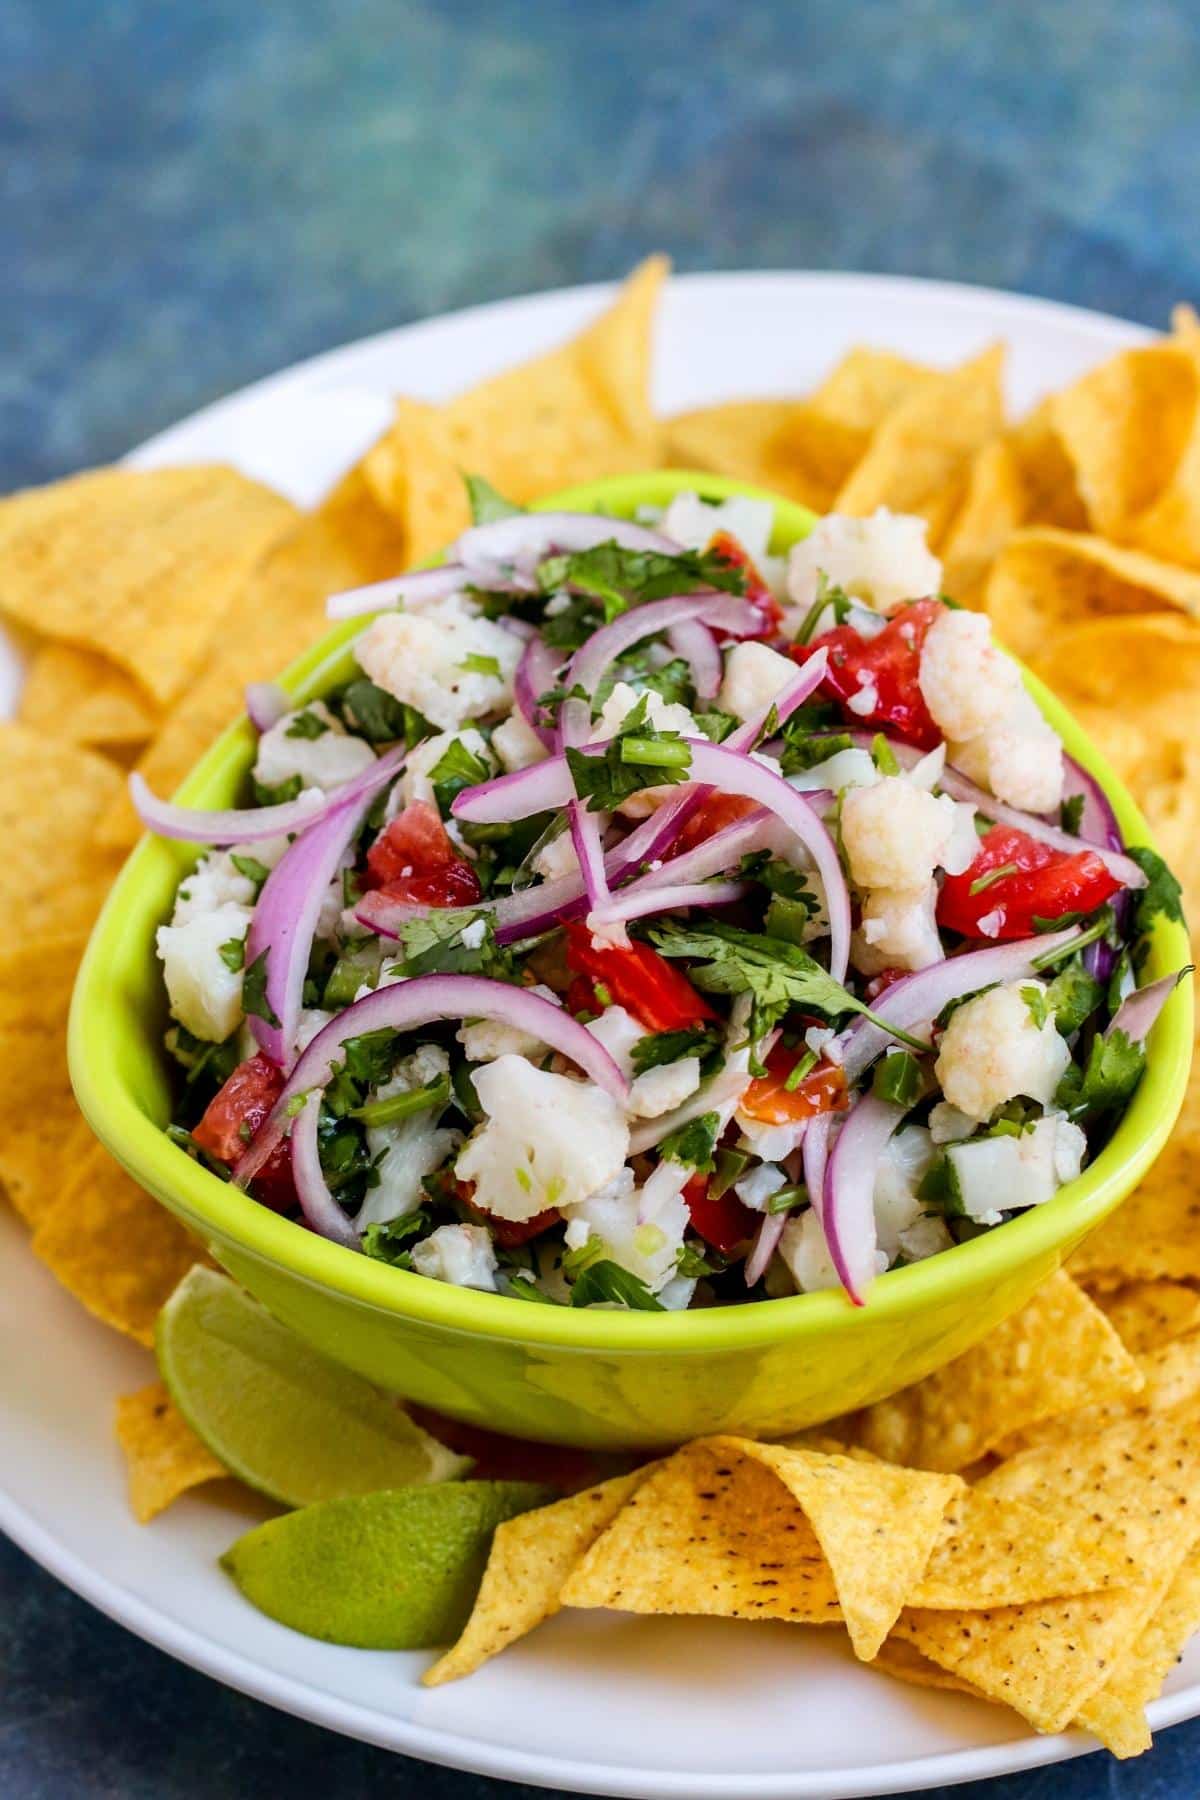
point(1018, 1525)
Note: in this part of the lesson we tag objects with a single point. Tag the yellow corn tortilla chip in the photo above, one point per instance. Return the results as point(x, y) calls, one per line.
point(920, 453)
point(993, 506)
point(1185, 327)
point(867, 384)
point(1047, 581)
point(899, 1658)
point(37, 1107)
point(574, 414)
point(1132, 430)
point(1047, 472)
point(112, 1246)
point(1170, 1375)
point(83, 698)
point(1137, 1482)
point(51, 878)
point(1148, 1314)
point(787, 446)
point(1116, 1713)
point(137, 565)
point(994, 1551)
point(163, 1455)
point(280, 612)
point(1059, 1352)
point(531, 1558)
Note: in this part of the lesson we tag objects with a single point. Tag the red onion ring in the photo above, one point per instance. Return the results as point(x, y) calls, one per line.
point(246, 825)
point(699, 649)
point(848, 1202)
point(815, 1152)
point(523, 540)
point(593, 659)
point(1139, 1011)
point(419, 588)
point(407, 1005)
point(265, 704)
point(536, 674)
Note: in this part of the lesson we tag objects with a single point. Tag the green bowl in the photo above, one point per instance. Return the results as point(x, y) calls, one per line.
point(603, 1379)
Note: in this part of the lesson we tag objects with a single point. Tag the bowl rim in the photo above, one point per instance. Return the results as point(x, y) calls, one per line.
point(209, 1204)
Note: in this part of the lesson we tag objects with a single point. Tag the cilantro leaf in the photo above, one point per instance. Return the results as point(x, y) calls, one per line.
point(250, 867)
point(386, 1242)
point(486, 504)
point(803, 748)
point(233, 953)
point(1107, 1080)
point(692, 1264)
point(277, 795)
point(375, 715)
point(715, 726)
point(619, 578)
point(307, 724)
point(608, 1281)
point(254, 992)
point(475, 664)
point(639, 756)
point(1162, 893)
point(660, 1047)
point(897, 1079)
point(828, 595)
point(457, 768)
point(1072, 997)
point(1034, 996)
point(1070, 814)
point(433, 945)
point(693, 1143)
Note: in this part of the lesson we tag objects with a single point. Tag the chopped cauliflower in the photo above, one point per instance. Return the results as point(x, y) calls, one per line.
point(754, 677)
point(898, 930)
point(803, 1250)
point(486, 1039)
point(897, 1178)
point(968, 683)
point(694, 523)
point(992, 1050)
point(324, 762)
point(463, 1255)
point(758, 1184)
point(641, 1228)
point(661, 1090)
point(213, 883)
point(546, 1140)
point(771, 1142)
point(517, 744)
point(663, 715)
point(895, 834)
point(423, 759)
point(1019, 759)
point(844, 769)
point(947, 1125)
point(557, 859)
point(205, 993)
point(430, 660)
point(618, 1031)
point(881, 561)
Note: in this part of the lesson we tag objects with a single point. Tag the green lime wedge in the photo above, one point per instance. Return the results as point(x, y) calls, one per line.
point(391, 1571)
point(276, 1413)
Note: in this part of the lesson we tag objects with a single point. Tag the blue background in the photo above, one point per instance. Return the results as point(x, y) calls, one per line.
point(194, 194)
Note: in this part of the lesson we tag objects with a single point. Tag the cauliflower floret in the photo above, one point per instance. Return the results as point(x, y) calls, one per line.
point(546, 1140)
point(517, 744)
point(213, 883)
point(694, 523)
point(661, 1090)
point(417, 783)
point(898, 930)
point(1019, 760)
point(425, 659)
point(881, 560)
point(641, 1228)
point(464, 1255)
point(325, 761)
point(895, 834)
point(803, 1250)
point(947, 1125)
point(618, 1031)
point(756, 1187)
point(771, 1142)
point(557, 859)
point(845, 768)
point(992, 1050)
point(204, 992)
point(408, 1150)
point(897, 1178)
point(486, 1039)
point(663, 715)
point(754, 677)
point(312, 1020)
point(967, 683)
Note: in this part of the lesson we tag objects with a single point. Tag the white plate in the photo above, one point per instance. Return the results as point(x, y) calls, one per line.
point(591, 1703)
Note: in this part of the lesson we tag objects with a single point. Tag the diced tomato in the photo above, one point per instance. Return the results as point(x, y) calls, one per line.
point(885, 668)
point(718, 811)
point(768, 1097)
point(658, 995)
point(732, 550)
point(886, 978)
point(233, 1116)
point(1041, 883)
point(724, 1223)
point(508, 1233)
point(413, 860)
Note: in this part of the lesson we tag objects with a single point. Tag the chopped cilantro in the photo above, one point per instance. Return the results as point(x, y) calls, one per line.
point(606, 1281)
point(1034, 996)
point(638, 756)
point(1107, 1080)
point(254, 992)
point(386, 1242)
point(1162, 893)
point(618, 579)
point(487, 506)
point(693, 1143)
point(1103, 925)
point(729, 1165)
point(883, 756)
point(692, 1264)
point(827, 596)
point(404, 1106)
point(457, 768)
point(433, 945)
point(523, 1287)
point(982, 882)
point(377, 716)
point(714, 725)
point(277, 795)
point(307, 724)
point(659, 1047)
point(803, 748)
point(897, 1079)
point(250, 867)
point(475, 664)
point(1072, 997)
point(1070, 814)
point(233, 953)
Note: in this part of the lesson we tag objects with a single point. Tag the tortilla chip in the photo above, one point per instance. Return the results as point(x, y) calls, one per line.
point(1116, 1713)
point(1148, 1314)
point(993, 506)
point(135, 565)
point(83, 698)
point(1137, 1483)
point(117, 1250)
point(163, 1455)
point(1059, 1352)
point(1001, 1552)
point(531, 1558)
point(574, 414)
point(37, 1107)
point(920, 453)
point(1047, 472)
point(866, 385)
point(1048, 581)
point(280, 612)
point(787, 446)
point(1170, 1374)
point(1132, 430)
point(900, 1659)
point(51, 878)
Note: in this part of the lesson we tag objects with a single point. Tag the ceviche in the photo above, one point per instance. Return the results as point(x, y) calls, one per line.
point(654, 923)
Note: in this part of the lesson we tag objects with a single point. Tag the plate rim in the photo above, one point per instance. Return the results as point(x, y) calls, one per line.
point(190, 1644)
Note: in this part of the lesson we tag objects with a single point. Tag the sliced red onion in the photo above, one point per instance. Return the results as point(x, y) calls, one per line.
point(265, 704)
point(589, 853)
point(419, 588)
point(816, 1154)
point(848, 1203)
point(312, 1190)
point(605, 647)
point(765, 1245)
point(521, 541)
point(407, 1005)
point(639, 902)
point(285, 918)
point(246, 825)
point(699, 649)
point(536, 674)
point(914, 1003)
point(1098, 822)
point(1139, 1011)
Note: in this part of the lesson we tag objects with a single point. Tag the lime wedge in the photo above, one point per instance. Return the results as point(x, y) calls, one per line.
point(275, 1412)
point(391, 1571)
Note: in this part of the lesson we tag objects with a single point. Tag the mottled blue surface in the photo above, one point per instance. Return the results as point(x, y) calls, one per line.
point(196, 193)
